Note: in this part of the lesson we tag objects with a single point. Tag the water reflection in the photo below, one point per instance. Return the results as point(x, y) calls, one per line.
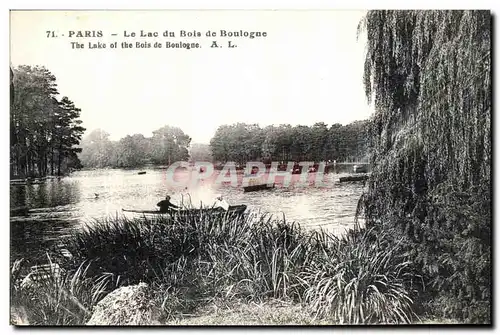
point(52, 193)
point(58, 206)
point(17, 195)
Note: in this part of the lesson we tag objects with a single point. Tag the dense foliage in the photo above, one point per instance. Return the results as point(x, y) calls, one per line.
point(248, 142)
point(166, 146)
point(429, 73)
point(44, 131)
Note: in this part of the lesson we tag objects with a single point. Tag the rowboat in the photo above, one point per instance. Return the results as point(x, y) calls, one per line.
point(258, 187)
point(354, 178)
point(256, 184)
point(233, 210)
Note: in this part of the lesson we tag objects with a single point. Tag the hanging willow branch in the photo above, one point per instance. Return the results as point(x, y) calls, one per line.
point(429, 75)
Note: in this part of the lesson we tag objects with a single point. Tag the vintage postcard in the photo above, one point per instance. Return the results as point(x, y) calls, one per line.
point(250, 167)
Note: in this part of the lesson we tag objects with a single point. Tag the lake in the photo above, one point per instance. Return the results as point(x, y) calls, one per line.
point(59, 206)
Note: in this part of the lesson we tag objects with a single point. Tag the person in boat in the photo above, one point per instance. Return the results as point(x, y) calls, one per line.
point(166, 205)
point(221, 203)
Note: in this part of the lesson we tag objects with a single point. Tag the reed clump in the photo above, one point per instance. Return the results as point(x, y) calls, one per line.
point(196, 260)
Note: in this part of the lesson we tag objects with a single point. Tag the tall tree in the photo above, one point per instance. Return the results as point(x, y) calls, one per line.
point(67, 131)
point(169, 144)
point(131, 151)
point(97, 149)
point(430, 75)
point(319, 138)
point(32, 107)
point(221, 145)
point(12, 93)
point(36, 120)
point(301, 147)
point(333, 143)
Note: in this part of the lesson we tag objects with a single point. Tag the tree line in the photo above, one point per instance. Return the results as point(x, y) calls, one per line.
point(44, 131)
point(236, 143)
point(45, 136)
point(248, 142)
point(167, 145)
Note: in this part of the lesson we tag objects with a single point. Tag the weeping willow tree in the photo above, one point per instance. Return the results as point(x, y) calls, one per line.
point(429, 75)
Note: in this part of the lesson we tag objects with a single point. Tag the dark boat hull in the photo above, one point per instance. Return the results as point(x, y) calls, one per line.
point(236, 210)
point(354, 178)
point(260, 187)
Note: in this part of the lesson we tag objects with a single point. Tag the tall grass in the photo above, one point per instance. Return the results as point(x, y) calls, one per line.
point(58, 299)
point(361, 281)
point(195, 259)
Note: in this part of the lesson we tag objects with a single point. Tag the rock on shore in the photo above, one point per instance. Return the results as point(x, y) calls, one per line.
point(126, 306)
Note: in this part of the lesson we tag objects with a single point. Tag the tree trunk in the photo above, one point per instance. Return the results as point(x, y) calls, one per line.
point(59, 160)
point(27, 165)
point(52, 162)
point(40, 167)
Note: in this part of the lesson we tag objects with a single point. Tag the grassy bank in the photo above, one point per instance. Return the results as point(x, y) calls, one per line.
point(198, 261)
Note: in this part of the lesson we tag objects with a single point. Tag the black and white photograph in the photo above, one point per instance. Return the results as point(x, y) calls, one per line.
point(250, 167)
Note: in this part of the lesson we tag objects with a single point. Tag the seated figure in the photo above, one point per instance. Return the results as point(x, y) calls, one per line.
point(221, 203)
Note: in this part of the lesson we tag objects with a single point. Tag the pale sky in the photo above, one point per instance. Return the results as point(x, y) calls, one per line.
point(308, 69)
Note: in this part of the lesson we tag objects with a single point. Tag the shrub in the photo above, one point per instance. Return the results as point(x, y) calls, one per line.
point(360, 280)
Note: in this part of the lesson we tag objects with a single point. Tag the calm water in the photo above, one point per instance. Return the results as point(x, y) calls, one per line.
point(58, 207)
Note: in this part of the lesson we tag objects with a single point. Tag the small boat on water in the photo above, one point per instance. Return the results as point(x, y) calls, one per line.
point(354, 178)
point(258, 187)
point(142, 172)
point(256, 184)
point(233, 210)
